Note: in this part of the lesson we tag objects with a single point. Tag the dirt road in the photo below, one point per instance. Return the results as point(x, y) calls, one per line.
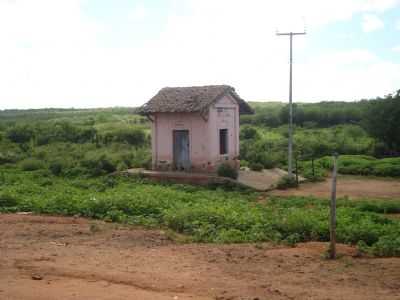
point(351, 186)
point(70, 258)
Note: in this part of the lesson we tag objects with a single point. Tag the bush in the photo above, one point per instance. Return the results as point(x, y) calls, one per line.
point(306, 170)
point(269, 162)
point(286, 182)
point(56, 168)
point(68, 132)
point(388, 245)
point(248, 132)
point(391, 169)
point(356, 165)
point(31, 164)
point(8, 157)
point(256, 167)
point(391, 206)
point(226, 170)
point(7, 200)
point(20, 134)
point(98, 165)
point(132, 136)
point(244, 163)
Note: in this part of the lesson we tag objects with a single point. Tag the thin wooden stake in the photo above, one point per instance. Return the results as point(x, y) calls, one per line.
point(297, 171)
point(313, 169)
point(332, 227)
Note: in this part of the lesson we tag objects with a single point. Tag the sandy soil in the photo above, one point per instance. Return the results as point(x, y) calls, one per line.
point(351, 186)
point(43, 257)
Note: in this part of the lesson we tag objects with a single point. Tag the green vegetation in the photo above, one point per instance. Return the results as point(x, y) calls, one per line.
point(268, 146)
point(58, 162)
point(74, 143)
point(226, 170)
point(286, 182)
point(100, 141)
point(322, 114)
point(355, 165)
point(382, 122)
point(203, 215)
point(364, 128)
point(255, 166)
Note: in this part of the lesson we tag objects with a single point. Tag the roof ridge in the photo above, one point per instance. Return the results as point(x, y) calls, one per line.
point(198, 86)
point(191, 99)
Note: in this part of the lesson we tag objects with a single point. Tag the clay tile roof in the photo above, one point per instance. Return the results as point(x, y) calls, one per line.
point(191, 99)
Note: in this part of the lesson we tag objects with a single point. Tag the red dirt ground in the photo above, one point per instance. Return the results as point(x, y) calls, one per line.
point(351, 186)
point(74, 258)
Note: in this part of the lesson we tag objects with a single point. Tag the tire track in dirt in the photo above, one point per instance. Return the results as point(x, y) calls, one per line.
point(111, 277)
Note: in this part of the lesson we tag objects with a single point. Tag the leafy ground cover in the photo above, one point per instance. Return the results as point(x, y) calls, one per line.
point(203, 215)
point(95, 142)
point(55, 161)
point(268, 146)
point(354, 165)
point(74, 143)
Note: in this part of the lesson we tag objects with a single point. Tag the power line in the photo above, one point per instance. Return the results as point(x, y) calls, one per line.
point(290, 144)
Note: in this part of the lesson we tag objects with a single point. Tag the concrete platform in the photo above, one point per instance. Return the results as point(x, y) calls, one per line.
point(180, 177)
point(260, 181)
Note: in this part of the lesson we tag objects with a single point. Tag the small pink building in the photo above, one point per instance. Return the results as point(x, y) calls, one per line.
point(195, 128)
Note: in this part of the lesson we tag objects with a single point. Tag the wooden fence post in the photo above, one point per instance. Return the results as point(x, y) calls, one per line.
point(297, 171)
point(313, 169)
point(332, 226)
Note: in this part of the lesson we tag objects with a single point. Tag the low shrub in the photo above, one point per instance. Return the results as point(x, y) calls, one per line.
point(31, 164)
point(98, 165)
point(131, 136)
point(56, 168)
point(248, 132)
point(256, 167)
point(287, 182)
point(7, 200)
point(391, 206)
point(360, 165)
point(8, 157)
point(226, 170)
point(244, 163)
point(20, 134)
point(387, 245)
point(269, 162)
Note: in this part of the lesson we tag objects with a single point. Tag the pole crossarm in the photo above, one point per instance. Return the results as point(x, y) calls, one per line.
point(291, 33)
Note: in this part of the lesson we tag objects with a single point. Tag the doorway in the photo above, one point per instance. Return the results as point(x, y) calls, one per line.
point(181, 150)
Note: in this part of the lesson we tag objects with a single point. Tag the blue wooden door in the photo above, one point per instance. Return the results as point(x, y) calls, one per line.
point(181, 150)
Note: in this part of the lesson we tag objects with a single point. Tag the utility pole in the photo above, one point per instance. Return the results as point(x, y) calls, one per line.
point(290, 144)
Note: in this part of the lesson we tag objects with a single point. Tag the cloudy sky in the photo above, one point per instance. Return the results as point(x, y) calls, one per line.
point(101, 53)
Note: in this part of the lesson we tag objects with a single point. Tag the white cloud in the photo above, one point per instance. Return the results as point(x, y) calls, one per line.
point(378, 6)
point(45, 23)
point(347, 75)
point(50, 53)
point(139, 13)
point(396, 48)
point(371, 23)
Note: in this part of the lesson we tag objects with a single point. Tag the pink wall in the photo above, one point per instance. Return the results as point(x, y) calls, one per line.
point(203, 135)
point(228, 118)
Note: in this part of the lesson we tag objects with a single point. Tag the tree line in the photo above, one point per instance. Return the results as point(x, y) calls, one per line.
point(380, 118)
